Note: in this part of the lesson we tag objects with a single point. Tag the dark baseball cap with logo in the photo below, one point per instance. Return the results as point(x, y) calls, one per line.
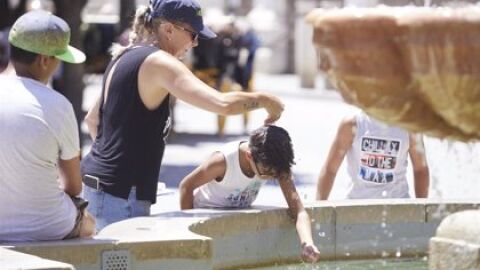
point(44, 33)
point(186, 11)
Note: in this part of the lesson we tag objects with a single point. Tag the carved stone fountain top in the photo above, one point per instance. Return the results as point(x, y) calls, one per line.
point(418, 68)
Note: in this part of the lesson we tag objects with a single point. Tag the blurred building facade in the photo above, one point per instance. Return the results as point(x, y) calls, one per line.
point(286, 40)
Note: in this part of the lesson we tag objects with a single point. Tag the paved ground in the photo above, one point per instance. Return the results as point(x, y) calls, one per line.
point(311, 117)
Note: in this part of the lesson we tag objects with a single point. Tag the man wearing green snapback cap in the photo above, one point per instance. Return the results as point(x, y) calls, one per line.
point(39, 144)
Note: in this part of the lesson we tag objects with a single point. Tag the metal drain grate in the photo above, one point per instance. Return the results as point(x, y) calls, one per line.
point(116, 260)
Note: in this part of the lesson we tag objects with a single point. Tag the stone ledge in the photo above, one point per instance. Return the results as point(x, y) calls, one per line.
point(447, 254)
point(11, 260)
point(206, 239)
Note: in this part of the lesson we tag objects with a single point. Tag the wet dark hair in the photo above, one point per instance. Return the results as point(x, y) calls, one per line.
point(272, 147)
point(22, 56)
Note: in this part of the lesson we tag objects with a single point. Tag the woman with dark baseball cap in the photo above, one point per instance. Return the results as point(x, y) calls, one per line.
point(131, 119)
point(185, 11)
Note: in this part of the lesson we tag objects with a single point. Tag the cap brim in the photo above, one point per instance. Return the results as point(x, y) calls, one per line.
point(207, 33)
point(72, 55)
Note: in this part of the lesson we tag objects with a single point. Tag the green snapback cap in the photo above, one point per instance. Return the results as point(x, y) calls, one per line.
point(44, 33)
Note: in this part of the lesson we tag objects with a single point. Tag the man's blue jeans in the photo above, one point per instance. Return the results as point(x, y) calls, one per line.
point(108, 209)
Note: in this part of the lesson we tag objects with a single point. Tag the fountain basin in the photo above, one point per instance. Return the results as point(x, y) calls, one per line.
point(221, 239)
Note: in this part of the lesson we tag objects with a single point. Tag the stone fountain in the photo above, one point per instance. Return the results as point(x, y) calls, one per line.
point(414, 67)
point(417, 68)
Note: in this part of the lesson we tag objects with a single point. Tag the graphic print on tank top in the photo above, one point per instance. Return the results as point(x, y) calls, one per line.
point(244, 198)
point(378, 158)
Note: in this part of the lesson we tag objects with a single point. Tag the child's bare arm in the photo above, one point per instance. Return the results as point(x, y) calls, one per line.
point(310, 252)
point(211, 169)
point(421, 173)
point(340, 146)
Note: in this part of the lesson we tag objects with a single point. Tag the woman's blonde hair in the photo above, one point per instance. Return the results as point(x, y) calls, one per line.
point(141, 32)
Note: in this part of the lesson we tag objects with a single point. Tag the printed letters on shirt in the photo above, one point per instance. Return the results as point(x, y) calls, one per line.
point(378, 158)
point(244, 198)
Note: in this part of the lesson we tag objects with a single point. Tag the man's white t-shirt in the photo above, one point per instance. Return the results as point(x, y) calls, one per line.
point(37, 127)
point(236, 190)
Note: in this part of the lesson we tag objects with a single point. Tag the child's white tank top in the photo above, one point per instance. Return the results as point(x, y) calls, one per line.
point(236, 190)
point(377, 160)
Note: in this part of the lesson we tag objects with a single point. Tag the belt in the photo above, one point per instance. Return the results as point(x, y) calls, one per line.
point(92, 182)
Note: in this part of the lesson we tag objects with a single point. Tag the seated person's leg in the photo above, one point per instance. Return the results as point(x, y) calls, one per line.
point(87, 227)
point(84, 223)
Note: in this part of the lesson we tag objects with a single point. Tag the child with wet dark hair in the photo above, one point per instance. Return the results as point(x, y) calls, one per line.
point(271, 146)
point(232, 177)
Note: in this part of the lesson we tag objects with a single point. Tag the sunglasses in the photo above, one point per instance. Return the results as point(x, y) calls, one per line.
point(193, 34)
point(264, 174)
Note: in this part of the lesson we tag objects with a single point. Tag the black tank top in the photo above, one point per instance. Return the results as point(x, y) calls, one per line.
point(129, 146)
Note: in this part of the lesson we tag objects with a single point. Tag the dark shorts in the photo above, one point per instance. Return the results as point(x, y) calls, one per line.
point(80, 204)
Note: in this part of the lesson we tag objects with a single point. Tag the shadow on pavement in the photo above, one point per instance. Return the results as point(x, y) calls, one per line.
point(171, 175)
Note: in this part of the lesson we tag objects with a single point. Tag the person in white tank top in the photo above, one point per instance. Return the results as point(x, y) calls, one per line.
point(377, 159)
point(232, 177)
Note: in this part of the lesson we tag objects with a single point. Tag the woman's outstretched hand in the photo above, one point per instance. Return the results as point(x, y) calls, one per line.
point(274, 108)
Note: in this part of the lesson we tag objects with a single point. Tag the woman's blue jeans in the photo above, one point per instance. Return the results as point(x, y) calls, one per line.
point(108, 209)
